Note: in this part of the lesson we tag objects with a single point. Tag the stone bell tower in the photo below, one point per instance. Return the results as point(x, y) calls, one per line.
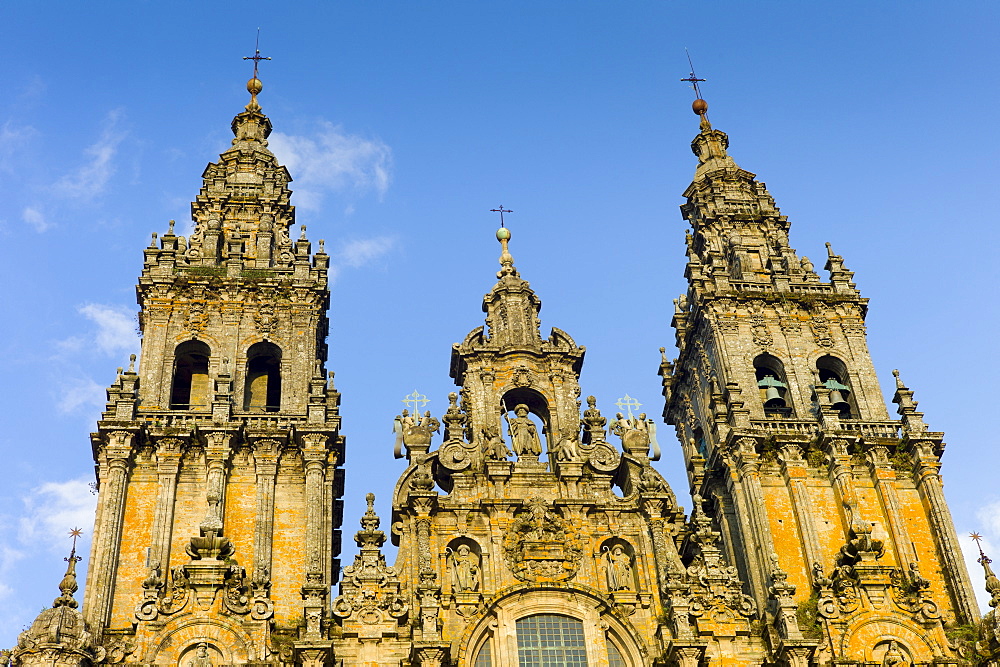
point(786, 434)
point(216, 537)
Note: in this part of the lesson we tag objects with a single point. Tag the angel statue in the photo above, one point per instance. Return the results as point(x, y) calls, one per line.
point(638, 435)
point(414, 431)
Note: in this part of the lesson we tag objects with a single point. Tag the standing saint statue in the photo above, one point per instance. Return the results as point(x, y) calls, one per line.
point(523, 434)
point(201, 657)
point(464, 569)
point(619, 569)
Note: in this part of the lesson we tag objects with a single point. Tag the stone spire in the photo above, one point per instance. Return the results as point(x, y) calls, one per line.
point(59, 635)
point(243, 210)
point(511, 307)
point(738, 231)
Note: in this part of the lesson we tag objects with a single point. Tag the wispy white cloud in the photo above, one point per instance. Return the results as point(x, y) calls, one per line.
point(115, 327)
point(332, 160)
point(358, 253)
point(91, 178)
point(76, 394)
point(363, 251)
point(53, 508)
point(34, 217)
point(13, 138)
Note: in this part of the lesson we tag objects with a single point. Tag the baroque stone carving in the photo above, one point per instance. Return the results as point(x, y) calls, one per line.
point(370, 592)
point(540, 545)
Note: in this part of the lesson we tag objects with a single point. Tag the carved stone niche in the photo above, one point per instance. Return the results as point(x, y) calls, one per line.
point(465, 575)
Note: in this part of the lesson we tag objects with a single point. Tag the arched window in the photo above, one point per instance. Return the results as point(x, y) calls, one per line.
point(773, 387)
point(833, 376)
point(190, 388)
point(615, 658)
point(485, 656)
point(550, 639)
point(262, 392)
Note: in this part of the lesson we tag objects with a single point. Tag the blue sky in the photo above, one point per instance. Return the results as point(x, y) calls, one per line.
point(873, 125)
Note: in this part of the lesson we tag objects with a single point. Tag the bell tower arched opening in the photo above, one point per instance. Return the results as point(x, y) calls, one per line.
point(833, 376)
point(773, 386)
point(190, 387)
point(262, 392)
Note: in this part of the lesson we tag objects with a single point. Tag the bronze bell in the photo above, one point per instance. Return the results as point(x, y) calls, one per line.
point(772, 387)
point(838, 394)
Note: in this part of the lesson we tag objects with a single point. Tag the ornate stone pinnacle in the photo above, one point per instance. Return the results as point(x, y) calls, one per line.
point(506, 259)
point(68, 585)
point(992, 582)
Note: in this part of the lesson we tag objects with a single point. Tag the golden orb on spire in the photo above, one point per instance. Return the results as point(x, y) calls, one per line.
point(254, 86)
point(699, 106)
point(503, 234)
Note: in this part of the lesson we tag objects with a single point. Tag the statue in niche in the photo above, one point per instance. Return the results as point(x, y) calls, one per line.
point(593, 423)
point(523, 433)
point(201, 657)
point(494, 448)
point(619, 568)
point(464, 568)
point(894, 656)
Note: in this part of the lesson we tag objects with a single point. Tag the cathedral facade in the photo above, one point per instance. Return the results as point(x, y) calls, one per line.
point(531, 527)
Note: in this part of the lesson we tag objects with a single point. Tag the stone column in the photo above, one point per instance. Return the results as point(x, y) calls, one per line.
point(216, 456)
point(926, 466)
point(758, 544)
point(265, 455)
point(314, 456)
point(117, 454)
point(168, 463)
point(843, 484)
point(316, 590)
point(884, 477)
point(795, 473)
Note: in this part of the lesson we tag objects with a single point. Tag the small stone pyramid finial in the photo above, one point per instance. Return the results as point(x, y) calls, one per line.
point(899, 380)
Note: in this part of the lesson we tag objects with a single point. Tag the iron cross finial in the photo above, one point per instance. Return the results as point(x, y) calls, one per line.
point(626, 402)
point(501, 211)
point(256, 57)
point(692, 79)
point(415, 401)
